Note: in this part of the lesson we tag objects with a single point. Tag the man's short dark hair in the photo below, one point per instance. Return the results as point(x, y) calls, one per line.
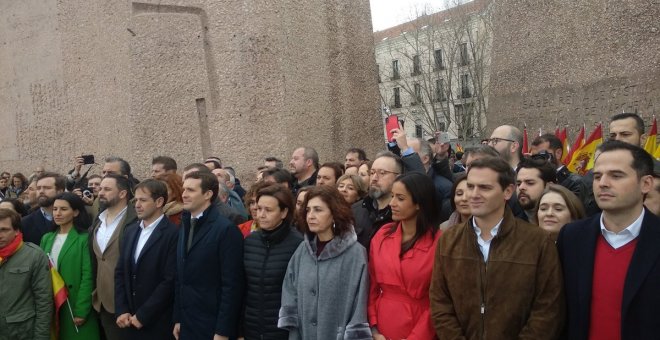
point(209, 182)
point(639, 123)
point(642, 161)
point(60, 181)
point(547, 171)
point(310, 153)
point(217, 163)
point(94, 176)
point(155, 188)
point(278, 162)
point(362, 156)
point(124, 167)
point(280, 176)
point(122, 183)
point(485, 150)
point(168, 162)
point(505, 174)
point(553, 141)
point(397, 160)
point(13, 216)
point(199, 166)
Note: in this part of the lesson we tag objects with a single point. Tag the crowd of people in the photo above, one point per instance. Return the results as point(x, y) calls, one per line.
point(419, 243)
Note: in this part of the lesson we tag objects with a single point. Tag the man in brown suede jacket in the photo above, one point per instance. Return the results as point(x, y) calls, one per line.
point(496, 276)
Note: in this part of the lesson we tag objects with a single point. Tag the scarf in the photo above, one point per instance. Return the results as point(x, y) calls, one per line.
point(11, 248)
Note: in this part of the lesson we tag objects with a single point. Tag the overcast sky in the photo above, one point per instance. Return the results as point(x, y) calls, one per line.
point(388, 13)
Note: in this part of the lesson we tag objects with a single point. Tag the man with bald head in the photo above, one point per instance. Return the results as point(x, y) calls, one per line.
point(507, 140)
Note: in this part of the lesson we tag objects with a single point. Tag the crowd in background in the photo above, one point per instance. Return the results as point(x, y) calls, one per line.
point(418, 242)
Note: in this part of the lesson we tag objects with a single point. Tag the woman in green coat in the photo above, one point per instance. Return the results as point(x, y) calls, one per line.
point(67, 248)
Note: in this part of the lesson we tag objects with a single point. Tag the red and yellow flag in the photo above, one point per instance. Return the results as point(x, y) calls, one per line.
point(60, 295)
point(583, 159)
point(525, 148)
point(563, 137)
point(579, 141)
point(651, 140)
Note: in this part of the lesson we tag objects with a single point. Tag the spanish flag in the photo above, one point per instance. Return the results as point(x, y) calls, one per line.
point(583, 159)
point(525, 148)
point(60, 295)
point(579, 141)
point(651, 140)
point(563, 137)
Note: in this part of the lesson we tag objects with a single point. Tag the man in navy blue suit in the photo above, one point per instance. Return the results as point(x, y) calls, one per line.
point(144, 277)
point(611, 261)
point(209, 280)
point(40, 221)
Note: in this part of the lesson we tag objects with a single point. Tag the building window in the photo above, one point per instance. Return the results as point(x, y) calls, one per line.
point(440, 90)
point(397, 97)
point(439, 65)
point(465, 58)
point(465, 86)
point(378, 72)
point(418, 131)
point(395, 70)
point(418, 94)
point(417, 66)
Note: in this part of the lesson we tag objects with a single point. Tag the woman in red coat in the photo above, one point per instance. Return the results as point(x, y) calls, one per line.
point(401, 261)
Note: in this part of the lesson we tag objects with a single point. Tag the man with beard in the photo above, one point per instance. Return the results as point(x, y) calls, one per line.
point(304, 166)
point(533, 175)
point(106, 233)
point(40, 221)
point(374, 210)
point(507, 140)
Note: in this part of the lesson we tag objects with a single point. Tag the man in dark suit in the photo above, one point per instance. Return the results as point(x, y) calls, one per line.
point(144, 277)
point(610, 261)
point(209, 280)
point(40, 221)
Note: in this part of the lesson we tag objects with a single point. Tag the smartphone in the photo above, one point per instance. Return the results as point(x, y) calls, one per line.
point(88, 159)
point(443, 138)
point(391, 123)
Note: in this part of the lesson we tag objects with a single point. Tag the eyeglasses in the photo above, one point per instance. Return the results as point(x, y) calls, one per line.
point(494, 141)
point(381, 172)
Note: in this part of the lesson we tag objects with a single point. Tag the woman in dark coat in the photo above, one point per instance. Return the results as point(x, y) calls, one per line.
point(266, 255)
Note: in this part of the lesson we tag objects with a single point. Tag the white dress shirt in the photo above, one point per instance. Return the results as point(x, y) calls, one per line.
point(620, 239)
point(57, 248)
point(107, 229)
point(145, 232)
point(484, 246)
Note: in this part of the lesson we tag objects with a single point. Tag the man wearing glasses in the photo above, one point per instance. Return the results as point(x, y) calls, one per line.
point(507, 140)
point(374, 211)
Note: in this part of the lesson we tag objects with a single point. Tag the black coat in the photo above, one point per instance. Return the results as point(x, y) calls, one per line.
point(146, 288)
point(209, 280)
point(266, 258)
point(639, 314)
point(34, 226)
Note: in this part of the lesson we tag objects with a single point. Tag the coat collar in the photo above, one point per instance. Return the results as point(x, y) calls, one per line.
point(276, 236)
point(208, 217)
point(334, 248)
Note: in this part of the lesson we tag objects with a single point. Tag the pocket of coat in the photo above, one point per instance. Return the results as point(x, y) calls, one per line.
point(19, 270)
point(20, 316)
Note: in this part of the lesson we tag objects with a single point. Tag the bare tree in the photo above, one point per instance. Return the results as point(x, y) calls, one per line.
point(440, 61)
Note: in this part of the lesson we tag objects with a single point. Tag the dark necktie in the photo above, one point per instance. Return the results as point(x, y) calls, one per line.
point(193, 224)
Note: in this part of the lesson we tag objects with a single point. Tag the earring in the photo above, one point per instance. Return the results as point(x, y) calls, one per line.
point(334, 227)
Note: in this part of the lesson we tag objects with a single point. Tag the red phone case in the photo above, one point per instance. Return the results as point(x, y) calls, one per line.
point(392, 122)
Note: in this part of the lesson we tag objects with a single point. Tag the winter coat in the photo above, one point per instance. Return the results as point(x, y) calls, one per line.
point(75, 266)
point(399, 287)
point(325, 297)
point(209, 279)
point(266, 257)
point(26, 295)
point(517, 294)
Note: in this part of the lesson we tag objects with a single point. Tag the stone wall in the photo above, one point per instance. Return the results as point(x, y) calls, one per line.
point(568, 63)
point(236, 79)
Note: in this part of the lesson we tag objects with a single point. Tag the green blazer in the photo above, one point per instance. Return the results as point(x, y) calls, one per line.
point(75, 267)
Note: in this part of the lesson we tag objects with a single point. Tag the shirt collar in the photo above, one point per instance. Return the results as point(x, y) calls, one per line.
point(46, 214)
point(492, 231)
point(152, 225)
point(632, 229)
point(104, 214)
point(198, 216)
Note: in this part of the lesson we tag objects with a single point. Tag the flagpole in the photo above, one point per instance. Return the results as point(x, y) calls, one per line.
point(72, 318)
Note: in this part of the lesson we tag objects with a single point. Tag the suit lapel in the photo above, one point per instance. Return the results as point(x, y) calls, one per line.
point(646, 254)
point(118, 230)
point(586, 255)
point(131, 243)
point(155, 235)
point(201, 229)
point(68, 243)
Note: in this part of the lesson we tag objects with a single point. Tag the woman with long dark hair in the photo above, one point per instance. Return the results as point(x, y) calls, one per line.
point(324, 293)
point(67, 247)
point(266, 255)
point(401, 262)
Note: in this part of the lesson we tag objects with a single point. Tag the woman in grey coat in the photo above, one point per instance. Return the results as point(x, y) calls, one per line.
point(324, 293)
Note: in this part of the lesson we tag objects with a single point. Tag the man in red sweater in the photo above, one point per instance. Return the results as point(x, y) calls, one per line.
point(611, 261)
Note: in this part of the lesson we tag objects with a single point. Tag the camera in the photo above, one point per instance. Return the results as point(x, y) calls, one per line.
point(87, 192)
point(544, 155)
point(87, 159)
